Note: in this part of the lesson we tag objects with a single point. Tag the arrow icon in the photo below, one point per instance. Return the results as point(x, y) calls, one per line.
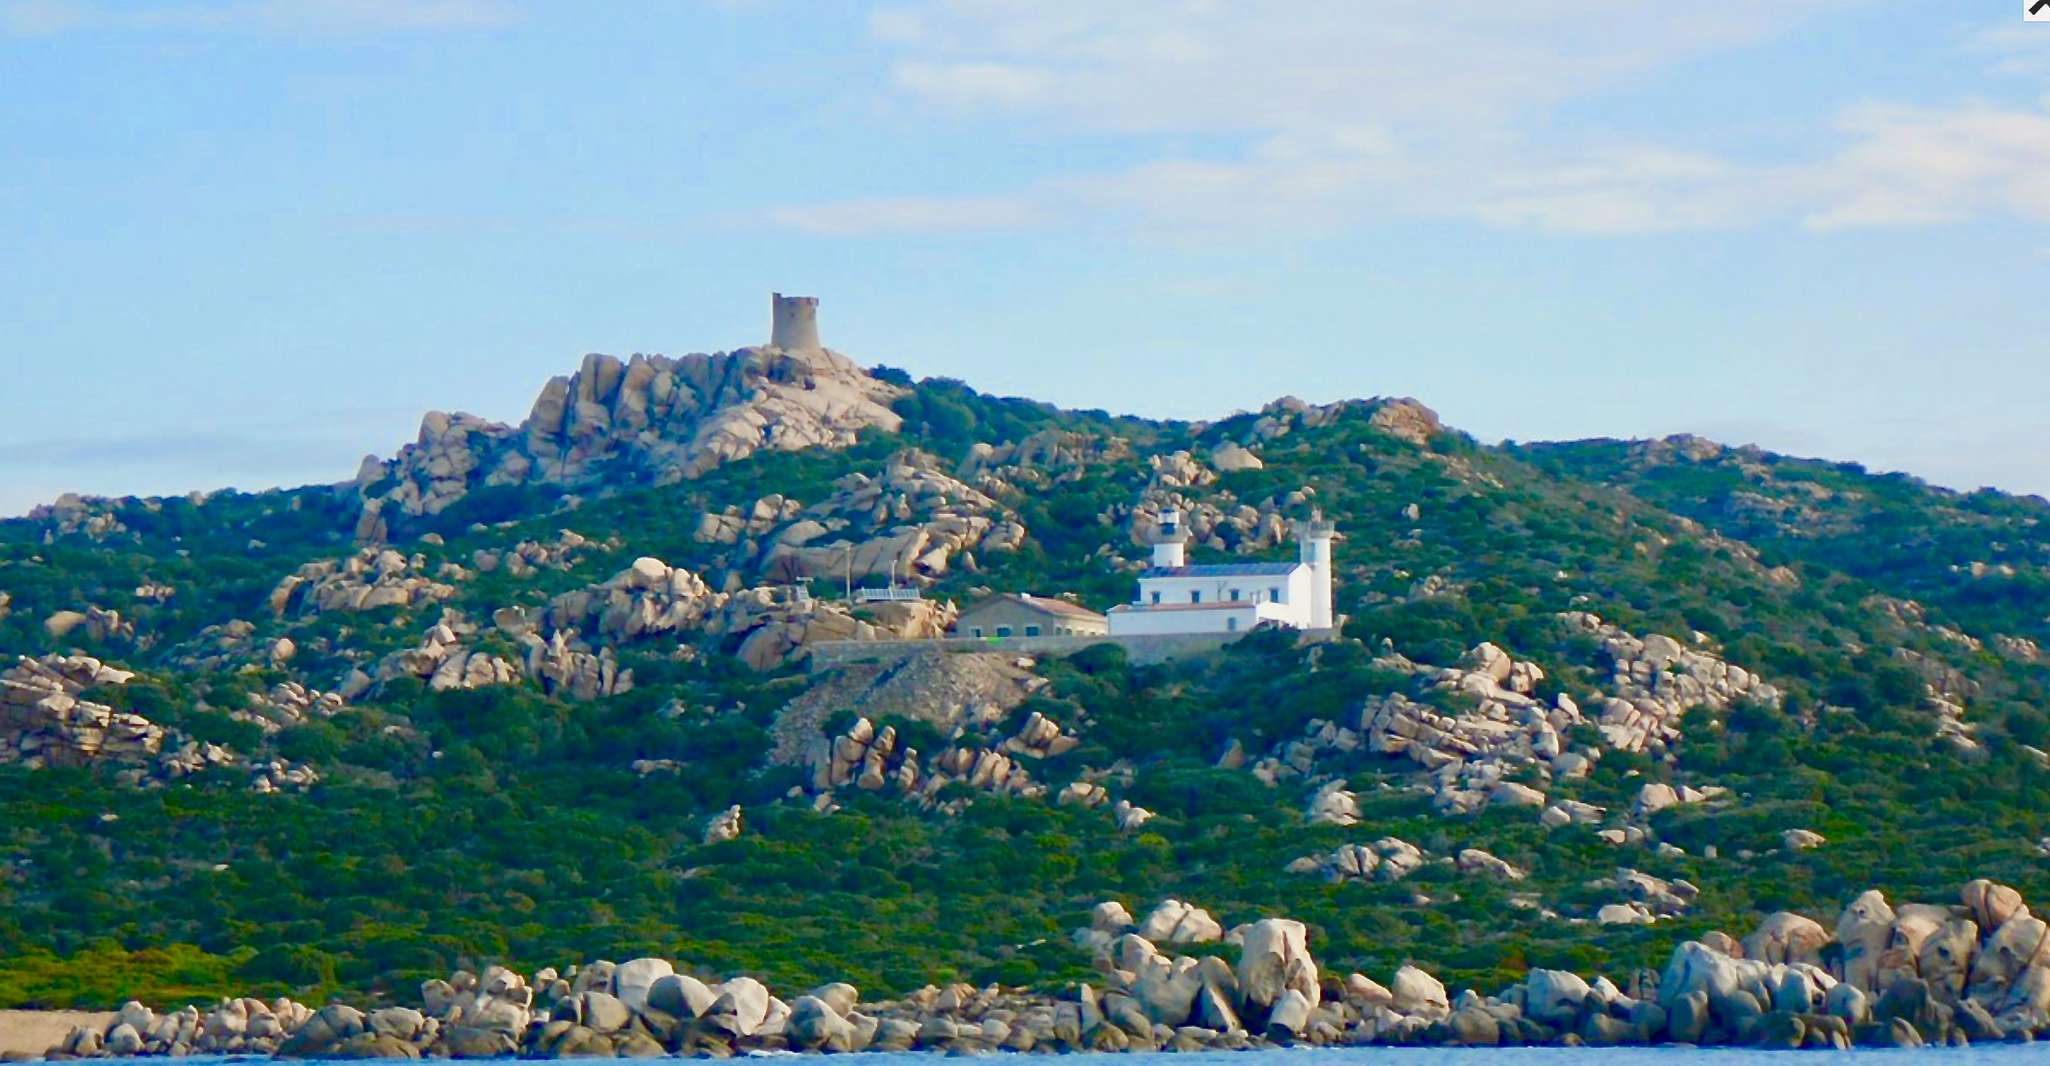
point(2038, 10)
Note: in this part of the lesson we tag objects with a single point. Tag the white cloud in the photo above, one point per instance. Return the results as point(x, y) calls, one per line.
point(1313, 116)
point(910, 214)
point(970, 86)
point(40, 18)
point(2017, 48)
point(1261, 65)
point(1911, 166)
point(36, 18)
point(1279, 182)
point(1633, 189)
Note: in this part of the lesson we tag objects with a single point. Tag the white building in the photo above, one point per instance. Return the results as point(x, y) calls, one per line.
point(1175, 597)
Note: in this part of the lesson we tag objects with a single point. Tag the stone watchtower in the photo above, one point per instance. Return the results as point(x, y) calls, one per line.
point(794, 322)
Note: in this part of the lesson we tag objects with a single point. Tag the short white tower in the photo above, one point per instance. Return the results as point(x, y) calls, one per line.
point(794, 322)
point(1169, 540)
point(1315, 536)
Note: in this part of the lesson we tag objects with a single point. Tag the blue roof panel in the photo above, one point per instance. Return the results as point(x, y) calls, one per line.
point(1224, 570)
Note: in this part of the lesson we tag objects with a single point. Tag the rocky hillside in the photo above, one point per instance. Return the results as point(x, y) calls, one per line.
point(526, 694)
point(650, 419)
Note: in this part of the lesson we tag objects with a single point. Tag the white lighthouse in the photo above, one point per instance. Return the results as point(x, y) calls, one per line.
point(1175, 597)
point(1315, 537)
point(1170, 541)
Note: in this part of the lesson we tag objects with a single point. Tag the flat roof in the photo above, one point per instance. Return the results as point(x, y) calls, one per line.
point(1223, 570)
point(1224, 605)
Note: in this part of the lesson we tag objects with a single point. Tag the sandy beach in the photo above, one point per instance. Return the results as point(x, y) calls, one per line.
point(32, 1032)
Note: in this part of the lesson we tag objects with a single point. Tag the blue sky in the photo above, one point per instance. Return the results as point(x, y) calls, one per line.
point(246, 242)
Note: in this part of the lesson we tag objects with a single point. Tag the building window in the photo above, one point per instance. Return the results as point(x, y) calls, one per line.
point(1031, 631)
point(976, 632)
point(1274, 594)
point(1156, 598)
point(1003, 631)
point(1234, 595)
point(1231, 625)
point(1195, 596)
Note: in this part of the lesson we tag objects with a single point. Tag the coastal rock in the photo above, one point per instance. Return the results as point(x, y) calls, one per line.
point(680, 995)
point(1553, 996)
point(1152, 998)
point(742, 1007)
point(1167, 992)
point(815, 1026)
point(1785, 937)
point(1862, 933)
point(1289, 1020)
point(1992, 905)
point(1419, 994)
point(1275, 957)
point(633, 980)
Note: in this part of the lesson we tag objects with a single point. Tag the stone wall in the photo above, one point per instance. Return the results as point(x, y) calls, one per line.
point(1150, 648)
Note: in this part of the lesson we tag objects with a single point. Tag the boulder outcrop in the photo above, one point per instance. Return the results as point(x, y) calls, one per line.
point(45, 721)
point(1502, 726)
point(1386, 859)
point(648, 419)
point(1711, 992)
point(444, 659)
point(365, 581)
point(872, 759)
point(951, 691)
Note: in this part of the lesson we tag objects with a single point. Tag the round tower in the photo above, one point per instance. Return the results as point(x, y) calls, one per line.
point(1315, 536)
point(1169, 541)
point(794, 322)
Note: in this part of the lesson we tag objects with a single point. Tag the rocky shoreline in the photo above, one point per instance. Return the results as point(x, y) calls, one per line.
point(1917, 975)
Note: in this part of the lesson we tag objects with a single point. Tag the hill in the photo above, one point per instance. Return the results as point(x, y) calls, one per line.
point(526, 694)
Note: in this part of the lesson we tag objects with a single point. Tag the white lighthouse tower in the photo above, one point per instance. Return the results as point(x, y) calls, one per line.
point(1315, 536)
point(1170, 541)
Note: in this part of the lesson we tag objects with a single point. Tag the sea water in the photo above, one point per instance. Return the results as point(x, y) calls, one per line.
point(1982, 1055)
point(1978, 1055)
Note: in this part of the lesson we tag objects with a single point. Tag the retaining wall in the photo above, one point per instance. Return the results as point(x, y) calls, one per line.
point(1142, 648)
point(1147, 648)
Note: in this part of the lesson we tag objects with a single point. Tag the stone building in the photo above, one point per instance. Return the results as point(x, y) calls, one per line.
point(1026, 615)
point(794, 322)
